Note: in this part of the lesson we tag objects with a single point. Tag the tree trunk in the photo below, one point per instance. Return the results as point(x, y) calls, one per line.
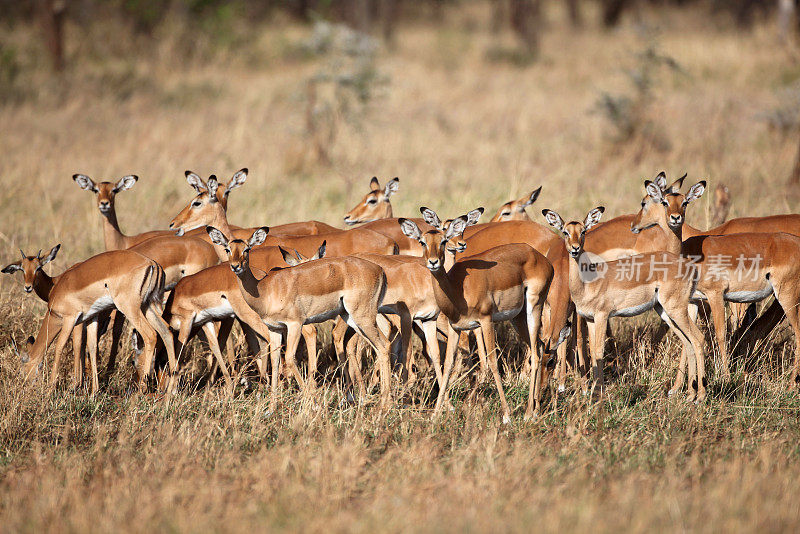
point(574, 11)
point(52, 14)
point(525, 22)
point(794, 179)
point(389, 13)
point(786, 18)
point(612, 11)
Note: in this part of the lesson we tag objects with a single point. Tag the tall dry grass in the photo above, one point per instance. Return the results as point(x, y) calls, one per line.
point(460, 131)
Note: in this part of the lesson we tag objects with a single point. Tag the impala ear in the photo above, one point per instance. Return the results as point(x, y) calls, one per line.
point(531, 199)
point(213, 185)
point(675, 186)
point(391, 187)
point(474, 216)
point(11, 268)
point(695, 192)
point(84, 182)
point(51, 255)
point(654, 191)
point(410, 229)
point(374, 184)
point(456, 227)
point(217, 237)
point(258, 237)
point(236, 180)
point(430, 217)
point(593, 217)
point(290, 260)
point(321, 251)
point(661, 180)
point(125, 183)
point(553, 219)
point(22, 253)
point(195, 181)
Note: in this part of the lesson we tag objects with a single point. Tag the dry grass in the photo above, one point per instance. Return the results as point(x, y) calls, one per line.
point(459, 131)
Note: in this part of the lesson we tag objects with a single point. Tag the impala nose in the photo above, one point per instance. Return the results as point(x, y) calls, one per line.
point(675, 220)
point(237, 269)
point(28, 289)
point(105, 205)
point(575, 252)
point(433, 265)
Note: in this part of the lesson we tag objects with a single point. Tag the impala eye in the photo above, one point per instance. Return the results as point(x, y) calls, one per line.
point(196, 204)
point(506, 213)
point(372, 201)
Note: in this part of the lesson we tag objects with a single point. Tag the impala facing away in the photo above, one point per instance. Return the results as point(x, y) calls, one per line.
point(505, 283)
point(286, 299)
point(121, 279)
point(628, 287)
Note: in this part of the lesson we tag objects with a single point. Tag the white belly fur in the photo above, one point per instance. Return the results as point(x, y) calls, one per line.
point(100, 305)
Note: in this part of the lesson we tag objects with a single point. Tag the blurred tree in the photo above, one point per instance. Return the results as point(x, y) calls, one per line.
point(794, 179)
point(525, 16)
point(574, 11)
point(786, 18)
point(52, 13)
point(612, 11)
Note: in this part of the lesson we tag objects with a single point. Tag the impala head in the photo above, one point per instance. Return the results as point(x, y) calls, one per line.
point(238, 179)
point(238, 250)
point(435, 242)
point(459, 244)
point(660, 203)
point(31, 266)
point(574, 232)
point(515, 209)
point(375, 204)
point(205, 208)
point(105, 191)
point(297, 258)
point(28, 369)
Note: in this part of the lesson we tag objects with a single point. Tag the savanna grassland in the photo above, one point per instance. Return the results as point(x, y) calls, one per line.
point(461, 128)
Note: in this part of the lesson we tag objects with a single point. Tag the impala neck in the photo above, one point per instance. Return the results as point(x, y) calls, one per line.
point(688, 231)
point(42, 285)
point(450, 301)
point(674, 238)
point(112, 235)
point(220, 222)
point(576, 284)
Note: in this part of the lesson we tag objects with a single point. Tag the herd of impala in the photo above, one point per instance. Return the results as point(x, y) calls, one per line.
point(387, 278)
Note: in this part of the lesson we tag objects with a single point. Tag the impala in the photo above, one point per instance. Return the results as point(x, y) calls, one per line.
point(212, 296)
point(206, 210)
point(286, 299)
point(405, 275)
point(239, 178)
point(125, 280)
point(746, 267)
point(514, 210)
point(39, 282)
point(663, 281)
point(505, 283)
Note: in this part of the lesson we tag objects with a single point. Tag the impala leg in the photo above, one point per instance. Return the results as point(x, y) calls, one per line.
point(537, 367)
point(211, 336)
point(225, 339)
point(676, 315)
point(292, 340)
point(353, 355)
point(275, 360)
point(790, 302)
point(432, 345)
point(117, 326)
point(78, 354)
point(406, 327)
point(61, 341)
point(309, 332)
point(597, 351)
point(48, 331)
point(373, 335)
point(449, 354)
point(91, 346)
point(717, 306)
point(487, 328)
